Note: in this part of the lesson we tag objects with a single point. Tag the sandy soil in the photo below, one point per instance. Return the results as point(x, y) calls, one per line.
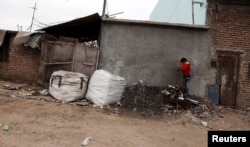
point(41, 121)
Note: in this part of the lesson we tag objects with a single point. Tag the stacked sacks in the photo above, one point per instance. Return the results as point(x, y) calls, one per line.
point(105, 88)
point(68, 86)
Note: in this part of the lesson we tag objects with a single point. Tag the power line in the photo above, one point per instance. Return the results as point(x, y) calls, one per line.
point(41, 23)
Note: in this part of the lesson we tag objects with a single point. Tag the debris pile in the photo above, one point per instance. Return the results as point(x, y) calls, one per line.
point(160, 101)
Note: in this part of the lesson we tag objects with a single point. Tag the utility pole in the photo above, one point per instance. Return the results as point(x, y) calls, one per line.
point(104, 9)
point(32, 16)
point(19, 28)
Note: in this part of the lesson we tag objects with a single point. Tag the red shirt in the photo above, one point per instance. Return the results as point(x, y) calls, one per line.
point(185, 68)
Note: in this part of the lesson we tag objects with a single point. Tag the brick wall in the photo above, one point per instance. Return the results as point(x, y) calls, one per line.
point(22, 64)
point(231, 31)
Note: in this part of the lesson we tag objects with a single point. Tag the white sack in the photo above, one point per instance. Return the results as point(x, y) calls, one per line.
point(105, 88)
point(68, 86)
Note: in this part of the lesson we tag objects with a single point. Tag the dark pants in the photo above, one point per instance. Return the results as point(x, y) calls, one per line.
point(184, 84)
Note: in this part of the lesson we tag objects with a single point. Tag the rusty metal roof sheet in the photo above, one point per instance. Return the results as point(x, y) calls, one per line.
point(34, 41)
point(86, 28)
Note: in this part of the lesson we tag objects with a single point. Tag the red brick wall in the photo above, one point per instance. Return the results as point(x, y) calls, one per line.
point(231, 31)
point(23, 63)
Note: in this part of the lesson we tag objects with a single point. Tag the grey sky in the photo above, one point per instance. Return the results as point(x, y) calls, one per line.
point(19, 12)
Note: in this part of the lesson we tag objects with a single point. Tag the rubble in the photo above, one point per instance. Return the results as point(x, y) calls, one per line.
point(169, 100)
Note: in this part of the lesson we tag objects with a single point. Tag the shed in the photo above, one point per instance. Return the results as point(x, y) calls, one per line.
point(71, 46)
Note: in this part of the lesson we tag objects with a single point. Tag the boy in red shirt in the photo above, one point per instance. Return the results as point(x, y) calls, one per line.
point(186, 71)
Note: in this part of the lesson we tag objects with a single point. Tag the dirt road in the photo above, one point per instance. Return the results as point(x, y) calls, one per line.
point(43, 122)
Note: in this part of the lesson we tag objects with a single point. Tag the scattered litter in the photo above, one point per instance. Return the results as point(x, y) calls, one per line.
point(118, 103)
point(15, 95)
point(151, 101)
point(5, 128)
point(9, 87)
point(173, 92)
point(6, 86)
point(105, 107)
point(82, 102)
point(34, 93)
point(180, 98)
point(204, 123)
point(86, 141)
point(193, 101)
point(44, 92)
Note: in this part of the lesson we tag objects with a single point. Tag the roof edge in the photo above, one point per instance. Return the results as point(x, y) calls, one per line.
point(128, 21)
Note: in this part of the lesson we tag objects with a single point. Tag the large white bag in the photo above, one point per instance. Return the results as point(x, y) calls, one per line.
point(105, 88)
point(68, 86)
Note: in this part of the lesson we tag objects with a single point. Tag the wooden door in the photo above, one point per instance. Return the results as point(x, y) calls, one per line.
point(55, 55)
point(228, 64)
point(85, 59)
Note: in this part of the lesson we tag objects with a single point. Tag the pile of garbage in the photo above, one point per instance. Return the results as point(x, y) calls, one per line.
point(153, 101)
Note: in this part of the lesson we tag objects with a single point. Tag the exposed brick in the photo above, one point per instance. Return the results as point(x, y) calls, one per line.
point(231, 30)
point(23, 63)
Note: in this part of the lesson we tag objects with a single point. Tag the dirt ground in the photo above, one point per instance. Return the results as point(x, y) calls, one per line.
point(41, 121)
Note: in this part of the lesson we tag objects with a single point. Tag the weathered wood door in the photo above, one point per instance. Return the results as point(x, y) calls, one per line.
point(66, 54)
point(85, 59)
point(228, 64)
point(55, 55)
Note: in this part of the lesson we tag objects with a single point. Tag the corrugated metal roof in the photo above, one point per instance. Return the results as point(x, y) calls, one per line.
point(31, 39)
point(22, 37)
point(86, 28)
point(34, 41)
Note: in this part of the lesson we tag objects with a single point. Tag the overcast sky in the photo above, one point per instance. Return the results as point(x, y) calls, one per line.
point(14, 13)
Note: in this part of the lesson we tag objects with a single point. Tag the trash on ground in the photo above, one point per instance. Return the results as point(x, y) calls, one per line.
point(5, 128)
point(44, 92)
point(82, 102)
point(204, 123)
point(6, 86)
point(193, 101)
point(86, 141)
point(174, 92)
point(15, 95)
point(9, 87)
